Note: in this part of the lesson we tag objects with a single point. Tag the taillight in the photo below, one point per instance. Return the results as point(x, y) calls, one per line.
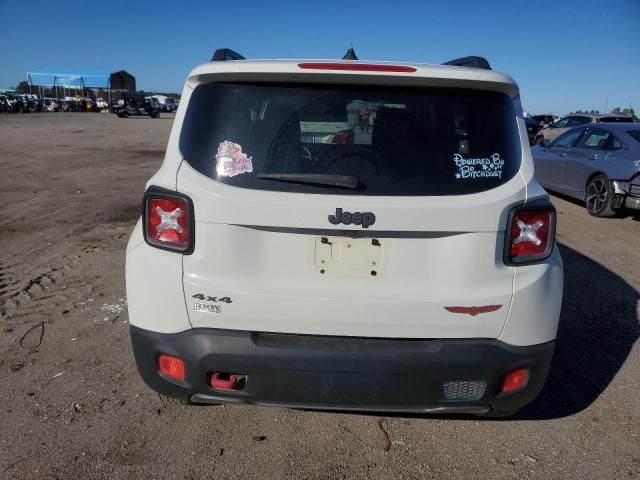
point(168, 221)
point(530, 234)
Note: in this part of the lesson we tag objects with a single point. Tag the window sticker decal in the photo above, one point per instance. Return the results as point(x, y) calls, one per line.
point(231, 160)
point(490, 167)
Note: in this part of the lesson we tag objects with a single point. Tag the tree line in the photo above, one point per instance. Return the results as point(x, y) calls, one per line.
point(627, 112)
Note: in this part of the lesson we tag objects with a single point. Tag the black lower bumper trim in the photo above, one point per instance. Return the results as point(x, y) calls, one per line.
point(217, 400)
point(344, 373)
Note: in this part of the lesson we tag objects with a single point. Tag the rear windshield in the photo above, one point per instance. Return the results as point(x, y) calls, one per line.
point(385, 140)
point(615, 119)
point(635, 134)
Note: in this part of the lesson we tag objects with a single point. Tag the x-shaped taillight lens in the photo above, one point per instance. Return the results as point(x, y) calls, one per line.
point(167, 222)
point(531, 235)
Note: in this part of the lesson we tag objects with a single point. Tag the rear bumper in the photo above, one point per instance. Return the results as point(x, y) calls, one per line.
point(344, 373)
point(632, 202)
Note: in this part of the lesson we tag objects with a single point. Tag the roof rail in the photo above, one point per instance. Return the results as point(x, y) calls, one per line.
point(472, 62)
point(224, 54)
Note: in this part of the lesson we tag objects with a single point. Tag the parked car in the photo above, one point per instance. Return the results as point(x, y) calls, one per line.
point(137, 105)
point(50, 104)
point(23, 104)
point(5, 104)
point(153, 101)
point(170, 104)
point(165, 104)
point(74, 105)
point(599, 164)
point(533, 127)
point(39, 105)
point(63, 105)
point(34, 104)
point(575, 120)
point(101, 104)
point(545, 120)
point(116, 106)
point(412, 269)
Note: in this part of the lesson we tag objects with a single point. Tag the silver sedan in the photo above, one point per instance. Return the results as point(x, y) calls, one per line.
point(599, 164)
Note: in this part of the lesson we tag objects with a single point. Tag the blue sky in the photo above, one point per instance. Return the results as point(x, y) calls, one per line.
point(565, 54)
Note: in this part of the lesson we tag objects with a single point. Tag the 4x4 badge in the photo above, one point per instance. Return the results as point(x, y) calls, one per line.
point(209, 298)
point(356, 218)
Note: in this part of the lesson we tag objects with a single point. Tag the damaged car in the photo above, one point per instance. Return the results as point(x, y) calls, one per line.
point(598, 164)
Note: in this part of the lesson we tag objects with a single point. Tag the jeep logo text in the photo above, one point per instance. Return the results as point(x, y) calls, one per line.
point(356, 218)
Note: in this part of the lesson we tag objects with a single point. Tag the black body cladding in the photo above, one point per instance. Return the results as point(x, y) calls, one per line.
point(340, 372)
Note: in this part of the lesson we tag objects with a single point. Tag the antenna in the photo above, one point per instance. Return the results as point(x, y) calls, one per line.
point(351, 53)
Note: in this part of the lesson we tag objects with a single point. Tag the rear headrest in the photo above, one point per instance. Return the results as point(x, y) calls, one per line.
point(278, 133)
point(277, 112)
point(391, 126)
point(279, 119)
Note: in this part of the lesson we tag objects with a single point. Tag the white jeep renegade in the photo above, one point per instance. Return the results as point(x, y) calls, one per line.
point(346, 235)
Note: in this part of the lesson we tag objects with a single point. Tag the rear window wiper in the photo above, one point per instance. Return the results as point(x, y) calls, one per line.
point(344, 181)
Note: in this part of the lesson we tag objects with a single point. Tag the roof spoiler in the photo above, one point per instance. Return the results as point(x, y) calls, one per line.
point(472, 62)
point(224, 54)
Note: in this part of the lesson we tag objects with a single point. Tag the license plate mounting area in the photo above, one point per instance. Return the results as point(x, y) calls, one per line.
point(349, 257)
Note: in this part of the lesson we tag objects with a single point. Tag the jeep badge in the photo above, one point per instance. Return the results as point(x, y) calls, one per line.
point(356, 218)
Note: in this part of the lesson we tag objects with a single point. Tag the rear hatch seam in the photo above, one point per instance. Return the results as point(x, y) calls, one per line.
point(513, 283)
point(184, 293)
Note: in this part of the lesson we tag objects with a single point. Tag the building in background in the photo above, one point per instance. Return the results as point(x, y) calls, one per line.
point(61, 82)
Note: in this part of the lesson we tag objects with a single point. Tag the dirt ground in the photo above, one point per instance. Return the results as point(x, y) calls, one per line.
point(72, 405)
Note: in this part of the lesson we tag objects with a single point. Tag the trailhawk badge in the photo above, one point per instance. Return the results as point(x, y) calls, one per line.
point(356, 218)
point(203, 307)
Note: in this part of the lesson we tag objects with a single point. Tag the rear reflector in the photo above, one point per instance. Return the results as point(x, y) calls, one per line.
point(171, 367)
point(514, 380)
point(530, 234)
point(168, 221)
point(358, 67)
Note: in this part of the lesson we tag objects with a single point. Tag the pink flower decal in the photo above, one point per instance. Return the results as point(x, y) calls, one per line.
point(231, 161)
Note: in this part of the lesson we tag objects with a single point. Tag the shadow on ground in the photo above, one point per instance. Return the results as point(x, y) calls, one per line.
point(599, 325)
point(598, 328)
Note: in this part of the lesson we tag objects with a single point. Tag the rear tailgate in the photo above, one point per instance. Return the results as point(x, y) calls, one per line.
point(261, 255)
point(278, 256)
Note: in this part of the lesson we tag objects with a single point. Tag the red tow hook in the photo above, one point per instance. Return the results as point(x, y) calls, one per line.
point(227, 381)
